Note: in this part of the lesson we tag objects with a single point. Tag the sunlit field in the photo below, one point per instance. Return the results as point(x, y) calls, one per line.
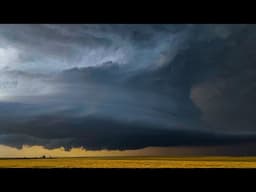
point(132, 162)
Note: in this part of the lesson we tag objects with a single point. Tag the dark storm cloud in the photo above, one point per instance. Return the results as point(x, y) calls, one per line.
point(127, 86)
point(223, 84)
point(56, 47)
point(217, 69)
point(19, 140)
point(98, 133)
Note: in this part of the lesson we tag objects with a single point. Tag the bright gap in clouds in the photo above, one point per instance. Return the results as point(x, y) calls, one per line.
point(9, 57)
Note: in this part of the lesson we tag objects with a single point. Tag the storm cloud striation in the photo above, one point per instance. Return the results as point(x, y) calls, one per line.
point(102, 86)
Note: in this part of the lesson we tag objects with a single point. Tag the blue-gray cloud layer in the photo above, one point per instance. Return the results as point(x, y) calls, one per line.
point(127, 86)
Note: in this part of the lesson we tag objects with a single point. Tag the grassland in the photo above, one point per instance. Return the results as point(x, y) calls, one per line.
point(131, 162)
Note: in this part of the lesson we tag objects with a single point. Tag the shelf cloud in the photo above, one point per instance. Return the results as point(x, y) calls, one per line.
point(113, 86)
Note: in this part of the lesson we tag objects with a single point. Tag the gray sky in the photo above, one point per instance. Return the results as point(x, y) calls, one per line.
point(127, 86)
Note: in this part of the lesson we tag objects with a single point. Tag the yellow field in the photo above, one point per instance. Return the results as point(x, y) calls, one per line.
point(132, 162)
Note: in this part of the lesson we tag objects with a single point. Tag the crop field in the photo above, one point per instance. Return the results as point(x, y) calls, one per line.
point(131, 162)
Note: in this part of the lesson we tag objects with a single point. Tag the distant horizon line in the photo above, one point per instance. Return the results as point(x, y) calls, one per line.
point(127, 156)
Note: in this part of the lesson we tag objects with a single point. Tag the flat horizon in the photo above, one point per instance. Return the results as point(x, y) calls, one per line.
point(130, 162)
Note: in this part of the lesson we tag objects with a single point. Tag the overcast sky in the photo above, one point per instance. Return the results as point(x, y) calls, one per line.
point(120, 87)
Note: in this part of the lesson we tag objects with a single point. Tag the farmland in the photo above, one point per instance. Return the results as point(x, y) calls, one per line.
point(130, 162)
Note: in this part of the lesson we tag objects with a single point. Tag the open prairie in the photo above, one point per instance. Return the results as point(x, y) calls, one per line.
point(131, 162)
